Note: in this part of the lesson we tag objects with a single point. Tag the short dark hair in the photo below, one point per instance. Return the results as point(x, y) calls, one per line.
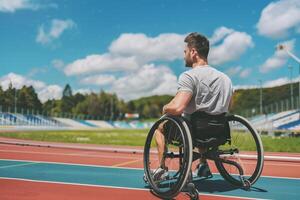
point(199, 42)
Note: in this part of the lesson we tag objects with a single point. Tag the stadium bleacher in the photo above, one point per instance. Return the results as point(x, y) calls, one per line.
point(287, 120)
point(282, 121)
point(100, 123)
point(10, 120)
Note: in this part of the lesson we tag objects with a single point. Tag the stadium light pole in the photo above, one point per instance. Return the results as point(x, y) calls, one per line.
point(15, 100)
point(290, 67)
point(260, 96)
point(283, 47)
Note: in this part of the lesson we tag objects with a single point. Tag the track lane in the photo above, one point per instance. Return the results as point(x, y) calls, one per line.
point(98, 158)
point(271, 168)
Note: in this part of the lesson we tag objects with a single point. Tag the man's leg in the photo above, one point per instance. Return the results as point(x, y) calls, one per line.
point(202, 159)
point(203, 168)
point(159, 172)
point(160, 142)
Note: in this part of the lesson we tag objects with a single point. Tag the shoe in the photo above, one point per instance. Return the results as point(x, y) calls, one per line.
point(158, 175)
point(203, 171)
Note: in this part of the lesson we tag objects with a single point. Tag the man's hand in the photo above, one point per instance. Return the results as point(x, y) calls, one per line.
point(164, 109)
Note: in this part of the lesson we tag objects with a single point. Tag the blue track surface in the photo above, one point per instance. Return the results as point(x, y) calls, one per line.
point(265, 188)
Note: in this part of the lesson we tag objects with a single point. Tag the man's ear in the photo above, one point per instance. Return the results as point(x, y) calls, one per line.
point(193, 52)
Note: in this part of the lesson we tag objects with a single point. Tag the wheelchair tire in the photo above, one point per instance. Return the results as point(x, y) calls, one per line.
point(248, 152)
point(177, 156)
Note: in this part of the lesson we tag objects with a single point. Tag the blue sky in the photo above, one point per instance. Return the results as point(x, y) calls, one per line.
point(134, 48)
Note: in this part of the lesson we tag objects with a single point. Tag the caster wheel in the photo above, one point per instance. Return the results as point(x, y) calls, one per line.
point(194, 195)
point(247, 184)
point(192, 192)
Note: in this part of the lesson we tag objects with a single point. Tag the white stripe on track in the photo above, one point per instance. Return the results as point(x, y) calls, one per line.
point(127, 150)
point(112, 167)
point(116, 187)
point(66, 154)
point(18, 165)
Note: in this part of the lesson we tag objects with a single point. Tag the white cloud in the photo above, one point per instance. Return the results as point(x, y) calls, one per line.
point(130, 51)
point(101, 63)
point(220, 34)
point(44, 91)
point(83, 91)
point(279, 58)
point(268, 84)
point(232, 71)
point(278, 18)
point(98, 80)
point(14, 5)
point(50, 92)
point(238, 71)
point(148, 80)
point(57, 28)
point(37, 70)
point(164, 47)
point(245, 73)
point(237, 87)
point(276, 82)
point(234, 44)
point(58, 64)
point(18, 81)
point(169, 46)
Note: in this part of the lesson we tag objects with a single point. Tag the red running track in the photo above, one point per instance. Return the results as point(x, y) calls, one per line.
point(23, 190)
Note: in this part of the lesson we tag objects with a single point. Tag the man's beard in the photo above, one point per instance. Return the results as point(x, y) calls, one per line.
point(188, 63)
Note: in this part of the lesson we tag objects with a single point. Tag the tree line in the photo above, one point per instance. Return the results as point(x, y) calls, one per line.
point(107, 106)
point(245, 99)
point(100, 106)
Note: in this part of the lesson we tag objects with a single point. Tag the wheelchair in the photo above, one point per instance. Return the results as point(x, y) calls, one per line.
point(238, 155)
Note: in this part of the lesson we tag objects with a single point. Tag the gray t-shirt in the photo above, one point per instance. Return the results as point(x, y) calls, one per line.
point(211, 90)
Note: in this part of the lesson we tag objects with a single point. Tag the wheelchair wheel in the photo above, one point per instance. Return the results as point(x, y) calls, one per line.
point(177, 158)
point(245, 149)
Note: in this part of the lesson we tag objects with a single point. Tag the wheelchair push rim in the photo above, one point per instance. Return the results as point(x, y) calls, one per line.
point(177, 156)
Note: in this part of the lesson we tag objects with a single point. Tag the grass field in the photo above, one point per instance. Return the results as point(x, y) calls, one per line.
point(133, 138)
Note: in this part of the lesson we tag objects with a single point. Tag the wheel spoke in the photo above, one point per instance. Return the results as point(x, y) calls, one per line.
point(176, 163)
point(249, 154)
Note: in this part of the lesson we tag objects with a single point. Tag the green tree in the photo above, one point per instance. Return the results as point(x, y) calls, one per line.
point(1, 98)
point(67, 102)
point(67, 92)
point(32, 99)
point(9, 95)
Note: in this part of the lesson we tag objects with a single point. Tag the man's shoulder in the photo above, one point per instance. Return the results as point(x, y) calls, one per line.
point(219, 73)
point(186, 73)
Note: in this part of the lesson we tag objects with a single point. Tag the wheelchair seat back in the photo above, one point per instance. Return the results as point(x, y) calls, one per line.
point(209, 130)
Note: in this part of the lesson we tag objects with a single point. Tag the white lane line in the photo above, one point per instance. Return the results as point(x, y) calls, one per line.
point(72, 164)
point(112, 167)
point(18, 165)
point(67, 154)
point(140, 151)
point(121, 157)
point(78, 147)
point(115, 187)
point(266, 157)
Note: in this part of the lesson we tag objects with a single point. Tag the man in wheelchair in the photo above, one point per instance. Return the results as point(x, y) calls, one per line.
point(203, 98)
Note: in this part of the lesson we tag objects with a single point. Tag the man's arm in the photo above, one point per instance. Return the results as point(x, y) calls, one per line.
point(178, 103)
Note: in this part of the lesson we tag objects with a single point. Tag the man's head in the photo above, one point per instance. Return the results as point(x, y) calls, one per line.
point(197, 48)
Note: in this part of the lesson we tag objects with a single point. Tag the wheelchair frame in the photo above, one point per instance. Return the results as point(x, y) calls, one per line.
point(186, 156)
